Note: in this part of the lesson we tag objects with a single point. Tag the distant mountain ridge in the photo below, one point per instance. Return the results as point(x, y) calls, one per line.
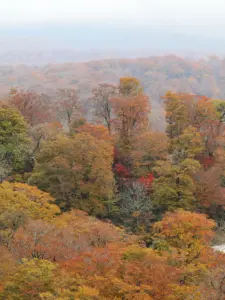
point(59, 43)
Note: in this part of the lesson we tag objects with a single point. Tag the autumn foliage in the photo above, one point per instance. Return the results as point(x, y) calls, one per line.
point(95, 204)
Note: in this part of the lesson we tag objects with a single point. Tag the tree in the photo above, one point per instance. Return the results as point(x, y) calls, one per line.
point(136, 207)
point(146, 181)
point(213, 286)
point(59, 241)
point(122, 272)
point(89, 231)
point(204, 115)
point(7, 265)
point(184, 110)
point(77, 171)
point(35, 108)
point(209, 193)
point(130, 86)
point(220, 109)
point(176, 115)
point(18, 203)
point(99, 132)
point(101, 102)
point(174, 186)
point(186, 233)
point(184, 238)
point(76, 124)
point(14, 141)
point(147, 149)
point(131, 117)
point(130, 109)
point(30, 279)
point(42, 132)
point(187, 145)
point(29, 200)
point(68, 106)
point(41, 240)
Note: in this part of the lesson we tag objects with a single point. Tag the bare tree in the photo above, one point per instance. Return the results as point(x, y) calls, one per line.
point(101, 104)
point(68, 106)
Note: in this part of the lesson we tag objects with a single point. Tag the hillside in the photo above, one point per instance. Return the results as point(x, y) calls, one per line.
point(158, 74)
point(106, 210)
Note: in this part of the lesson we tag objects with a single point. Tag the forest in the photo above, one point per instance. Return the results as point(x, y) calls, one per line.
point(158, 74)
point(96, 203)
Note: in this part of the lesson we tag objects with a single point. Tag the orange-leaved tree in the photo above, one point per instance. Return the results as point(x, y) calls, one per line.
point(187, 234)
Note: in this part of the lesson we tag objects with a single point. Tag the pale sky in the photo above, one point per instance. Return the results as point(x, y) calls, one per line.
point(188, 14)
point(53, 10)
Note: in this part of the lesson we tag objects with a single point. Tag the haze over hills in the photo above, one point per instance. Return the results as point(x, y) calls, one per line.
point(75, 42)
point(158, 74)
point(82, 54)
point(58, 31)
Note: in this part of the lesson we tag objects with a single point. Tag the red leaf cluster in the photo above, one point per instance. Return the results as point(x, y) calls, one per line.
point(146, 181)
point(121, 170)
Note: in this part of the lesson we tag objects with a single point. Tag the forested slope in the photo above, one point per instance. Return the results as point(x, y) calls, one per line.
point(110, 208)
point(157, 74)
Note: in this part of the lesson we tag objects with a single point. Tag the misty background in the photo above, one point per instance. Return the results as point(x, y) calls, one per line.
point(41, 32)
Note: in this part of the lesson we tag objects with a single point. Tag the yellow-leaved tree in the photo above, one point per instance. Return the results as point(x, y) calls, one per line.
point(77, 171)
point(20, 202)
